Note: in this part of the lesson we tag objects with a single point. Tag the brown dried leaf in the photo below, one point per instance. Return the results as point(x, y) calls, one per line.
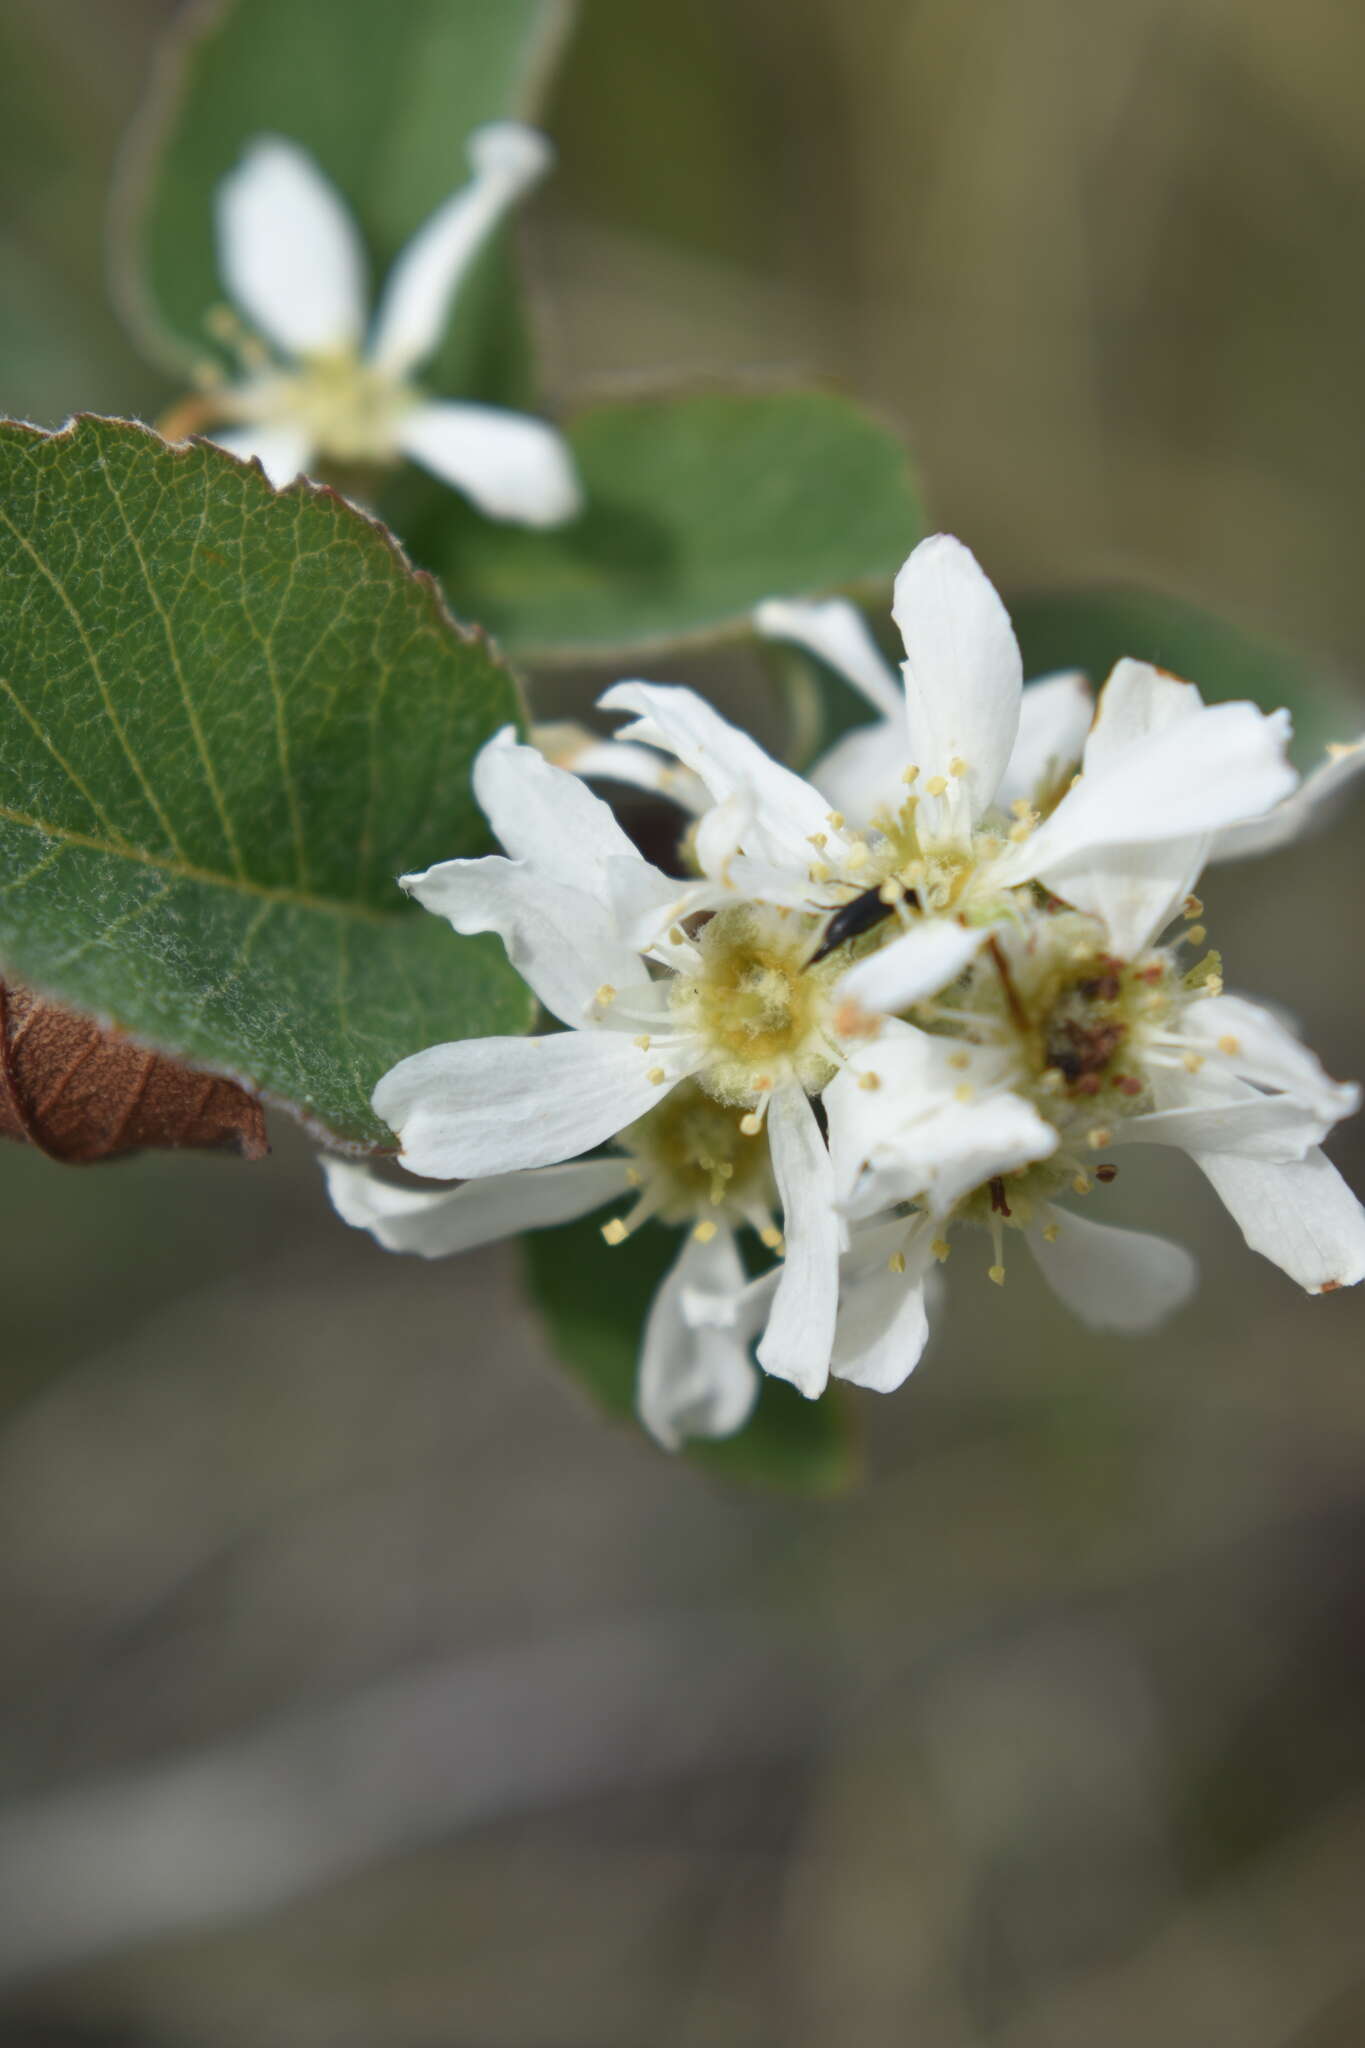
point(82, 1094)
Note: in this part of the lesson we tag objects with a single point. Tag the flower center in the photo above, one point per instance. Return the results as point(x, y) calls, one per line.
point(695, 1158)
point(761, 1010)
point(349, 409)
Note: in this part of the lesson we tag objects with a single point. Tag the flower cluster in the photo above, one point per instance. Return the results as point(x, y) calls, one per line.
point(921, 996)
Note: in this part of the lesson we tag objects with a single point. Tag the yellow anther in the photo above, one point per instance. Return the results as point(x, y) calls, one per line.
point(891, 892)
point(1021, 807)
point(940, 1249)
point(836, 819)
point(615, 1232)
point(936, 785)
point(751, 1125)
point(704, 1231)
point(818, 871)
point(677, 935)
point(818, 840)
point(910, 774)
point(1052, 1080)
point(1050, 1233)
point(896, 1262)
point(869, 1081)
point(1230, 1045)
point(963, 1092)
point(1020, 832)
point(1081, 1185)
point(856, 856)
point(656, 1075)
point(605, 996)
point(1192, 1062)
point(1196, 935)
point(959, 1060)
point(642, 1041)
point(957, 766)
point(996, 1273)
point(771, 1236)
point(1099, 1138)
point(1193, 907)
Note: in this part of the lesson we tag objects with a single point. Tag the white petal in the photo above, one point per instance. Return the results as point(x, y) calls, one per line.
point(786, 809)
point(493, 1105)
point(283, 452)
point(435, 1223)
point(696, 1377)
point(570, 746)
point(1114, 1279)
point(509, 465)
point(1254, 1127)
point(837, 633)
point(506, 160)
point(1258, 1047)
point(963, 676)
point(1302, 1217)
point(1054, 718)
point(288, 251)
point(547, 817)
point(562, 942)
point(1135, 891)
point(861, 773)
point(1299, 812)
point(883, 1318)
point(1226, 762)
point(800, 1335)
point(916, 965)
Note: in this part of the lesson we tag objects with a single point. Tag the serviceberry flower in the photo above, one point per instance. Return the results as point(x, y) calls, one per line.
point(321, 382)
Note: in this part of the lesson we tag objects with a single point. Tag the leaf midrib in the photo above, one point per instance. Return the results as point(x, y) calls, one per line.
point(184, 871)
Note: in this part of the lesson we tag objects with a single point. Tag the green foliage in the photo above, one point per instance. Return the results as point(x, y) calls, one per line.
point(1093, 628)
point(383, 97)
point(595, 1298)
point(229, 718)
point(699, 505)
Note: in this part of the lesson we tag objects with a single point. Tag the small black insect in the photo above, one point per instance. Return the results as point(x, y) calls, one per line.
point(851, 920)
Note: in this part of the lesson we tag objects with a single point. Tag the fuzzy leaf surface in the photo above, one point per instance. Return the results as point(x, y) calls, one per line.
point(229, 718)
point(698, 506)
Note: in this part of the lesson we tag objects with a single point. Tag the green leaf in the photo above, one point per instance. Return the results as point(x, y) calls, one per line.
point(1092, 629)
point(595, 1298)
point(698, 506)
point(383, 97)
point(229, 718)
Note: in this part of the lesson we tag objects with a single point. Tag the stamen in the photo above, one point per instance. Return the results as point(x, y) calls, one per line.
point(963, 1092)
point(836, 819)
point(605, 997)
point(704, 1231)
point(615, 1232)
point(957, 766)
point(996, 1273)
point(1106, 1173)
point(1193, 907)
point(959, 1060)
point(1051, 1232)
point(752, 1124)
point(1081, 1185)
point(896, 1262)
point(1230, 1045)
point(856, 857)
point(1195, 936)
point(1192, 1062)
point(642, 1041)
point(678, 935)
point(870, 1081)
point(1021, 807)
point(657, 1076)
point(771, 1236)
point(936, 785)
point(910, 774)
point(940, 1249)
point(819, 840)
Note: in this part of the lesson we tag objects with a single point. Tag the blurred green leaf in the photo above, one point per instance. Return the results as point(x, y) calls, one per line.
point(1092, 629)
point(229, 717)
point(384, 98)
point(699, 505)
point(595, 1298)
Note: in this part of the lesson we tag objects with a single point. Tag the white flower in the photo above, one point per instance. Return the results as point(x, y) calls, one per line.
point(325, 382)
point(737, 1006)
point(696, 1377)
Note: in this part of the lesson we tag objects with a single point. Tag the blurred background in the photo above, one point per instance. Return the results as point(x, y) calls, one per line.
point(359, 1687)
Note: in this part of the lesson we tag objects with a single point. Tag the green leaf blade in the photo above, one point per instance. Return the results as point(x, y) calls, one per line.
point(229, 719)
point(698, 506)
point(595, 1299)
